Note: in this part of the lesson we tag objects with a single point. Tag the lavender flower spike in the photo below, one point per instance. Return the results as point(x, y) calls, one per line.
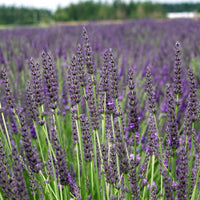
point(150, 93)
point(88, 53)
point(178, 88)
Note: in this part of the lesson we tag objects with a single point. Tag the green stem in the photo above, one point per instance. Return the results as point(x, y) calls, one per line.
point(52, 155)
point(174, 165)
point(78, 163)
point(101, 164)
point(144, 191)
point(109, 145)
point(135, 146)
point(54, 174)
point(199, 196)
point(4, 139)
point(2, 197)
point(66, 191)
point(160, 149)
point(194, 193)
point(127, 184)
point(7, 134)
point(58, 126)
point(96, 167)
point(152, 169)
point(78, 126)
point(121, 129)
point(83, 190)
point(186, 142)
point(190, 166)
point(86, 102)
point(117, 157)
point(92, 77)
point(169, 165)
point(104, 118)
point(161, 185)
point(48, 185)
point(119, 118)
point(47, 137)
point(18, 122)
point(49, 143)
point(91, 173)
point(38, 140)
point(61, 195)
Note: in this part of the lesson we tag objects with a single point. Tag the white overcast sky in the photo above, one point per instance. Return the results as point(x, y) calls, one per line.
point(53, 4)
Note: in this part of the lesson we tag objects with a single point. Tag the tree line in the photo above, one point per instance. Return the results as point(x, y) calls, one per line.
point(23, 16)
point(90, 10)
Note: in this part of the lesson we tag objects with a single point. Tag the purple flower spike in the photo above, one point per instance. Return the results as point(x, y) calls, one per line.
point(74, 82)
point(50, 79)
point(81, 68)
point(172, 123)
point(132, 103)
point(9, 95)
point(88, 53)
point(30, 151)
point(178, 87)
point(37, 88)
point(86, 138)
point(150, 93)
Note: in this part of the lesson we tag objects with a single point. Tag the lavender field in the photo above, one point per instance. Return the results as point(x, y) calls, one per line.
point(101, 112)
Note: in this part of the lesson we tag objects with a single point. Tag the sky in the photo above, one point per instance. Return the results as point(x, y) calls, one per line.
point(53, 4)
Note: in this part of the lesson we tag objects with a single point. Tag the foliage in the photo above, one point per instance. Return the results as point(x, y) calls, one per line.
point(90, 10)
point(22, 15)
point(93, 10)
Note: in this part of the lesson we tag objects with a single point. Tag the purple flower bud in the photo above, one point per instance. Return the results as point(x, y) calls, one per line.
point(174, 184)
point(148, 186)
point(14, 127)
point(144, 181)
point(41, 122)
point(131, 156)
point(138, 158)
